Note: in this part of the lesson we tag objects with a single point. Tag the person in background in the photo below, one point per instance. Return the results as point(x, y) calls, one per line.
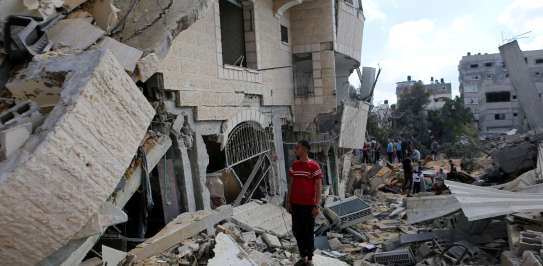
point(453, 173)
point(366, 153)
point(415, 155)
point(377, 152)
point(304, 197)
point(417, 179)
point(408, 175)
point(399, 151)
point(405, 148)
point(439, 182)
point(435, 149)
point(390, 151)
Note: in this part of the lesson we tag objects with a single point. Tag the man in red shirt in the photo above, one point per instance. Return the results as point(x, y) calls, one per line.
point(304, 196)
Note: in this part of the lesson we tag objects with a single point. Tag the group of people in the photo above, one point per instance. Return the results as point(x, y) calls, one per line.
point(370, 153)
point(398, 151)
point(414, 181)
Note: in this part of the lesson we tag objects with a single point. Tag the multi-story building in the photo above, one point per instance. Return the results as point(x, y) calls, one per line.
point(490, 95)
point(438, 91)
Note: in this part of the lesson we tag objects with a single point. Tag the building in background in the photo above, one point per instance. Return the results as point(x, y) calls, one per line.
point(438, 90)
point(488, 92)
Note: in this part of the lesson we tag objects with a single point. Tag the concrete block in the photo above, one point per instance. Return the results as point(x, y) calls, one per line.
point(271, 240)
point(13, 138)
point(126, 55)
point(77, 34)
point(65, 172)
point(22, 112)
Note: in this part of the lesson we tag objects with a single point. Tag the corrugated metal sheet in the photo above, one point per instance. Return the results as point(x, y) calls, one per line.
point(486, 202)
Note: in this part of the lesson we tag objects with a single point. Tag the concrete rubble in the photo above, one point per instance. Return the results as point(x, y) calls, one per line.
point(127, 137)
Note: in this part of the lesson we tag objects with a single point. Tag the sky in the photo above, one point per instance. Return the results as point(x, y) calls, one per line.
point(425, 38)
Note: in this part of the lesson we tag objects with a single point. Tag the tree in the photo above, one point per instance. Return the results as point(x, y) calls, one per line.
point(453, 126)
point(410, 120)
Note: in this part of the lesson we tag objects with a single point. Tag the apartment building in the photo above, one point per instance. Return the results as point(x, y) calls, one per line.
point(488, 92)
point(250, 72)
point(438, 90)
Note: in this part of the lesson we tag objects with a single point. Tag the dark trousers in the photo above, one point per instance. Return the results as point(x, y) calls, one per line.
point(416, 187)
point(303, 224)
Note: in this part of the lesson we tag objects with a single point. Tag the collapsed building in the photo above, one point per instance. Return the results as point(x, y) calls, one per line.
point(132, 112)
point(488, 91)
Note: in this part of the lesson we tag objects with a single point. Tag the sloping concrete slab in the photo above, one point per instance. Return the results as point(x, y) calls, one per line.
point(486, 202)
point(77, 34)
point(126, 55)
point(421, 209)
point(71, 165)
point(353, 126)
point(229, 253)
point(276, 220)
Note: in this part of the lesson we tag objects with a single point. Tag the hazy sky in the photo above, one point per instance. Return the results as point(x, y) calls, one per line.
point(425, 38)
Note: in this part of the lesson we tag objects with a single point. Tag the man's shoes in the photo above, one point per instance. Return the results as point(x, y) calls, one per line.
point(309, 263)
point(300, 262)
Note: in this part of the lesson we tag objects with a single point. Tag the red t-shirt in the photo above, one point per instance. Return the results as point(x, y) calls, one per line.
point(304, 175)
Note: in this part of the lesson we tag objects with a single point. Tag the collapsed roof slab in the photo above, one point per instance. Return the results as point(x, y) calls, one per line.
point(73, 162)
point(486, 202)
point(151, 26)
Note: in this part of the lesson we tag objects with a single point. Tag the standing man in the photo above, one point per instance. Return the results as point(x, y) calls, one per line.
point(435, 149)
point(408, 175)
point(390, 151)
point(304, 197)
point(399, 150)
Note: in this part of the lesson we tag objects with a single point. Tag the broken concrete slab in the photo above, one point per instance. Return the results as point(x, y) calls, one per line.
point(262, 259)
point(76, 34)
point(105, 13)
point(126, 55)
point(486, 202)
point(75, 251)
point(152, 26)
point(67, 170)
point(271, 240)
point(13, 138)
point(421, 209)
point(320, 260)
point(228, 252)
point(248, 237)
point(111, 256)
point(276, 221)
point(184, 226)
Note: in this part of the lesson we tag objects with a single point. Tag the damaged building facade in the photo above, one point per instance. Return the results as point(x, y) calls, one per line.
point(488, 92)
point(170, 108)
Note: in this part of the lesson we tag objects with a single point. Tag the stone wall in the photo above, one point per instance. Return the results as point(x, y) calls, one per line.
point(193, 67)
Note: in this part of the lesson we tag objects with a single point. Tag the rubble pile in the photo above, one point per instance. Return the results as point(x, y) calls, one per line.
point(76, 130)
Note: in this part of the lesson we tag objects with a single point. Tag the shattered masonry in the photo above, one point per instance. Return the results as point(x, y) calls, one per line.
point(115, 100)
